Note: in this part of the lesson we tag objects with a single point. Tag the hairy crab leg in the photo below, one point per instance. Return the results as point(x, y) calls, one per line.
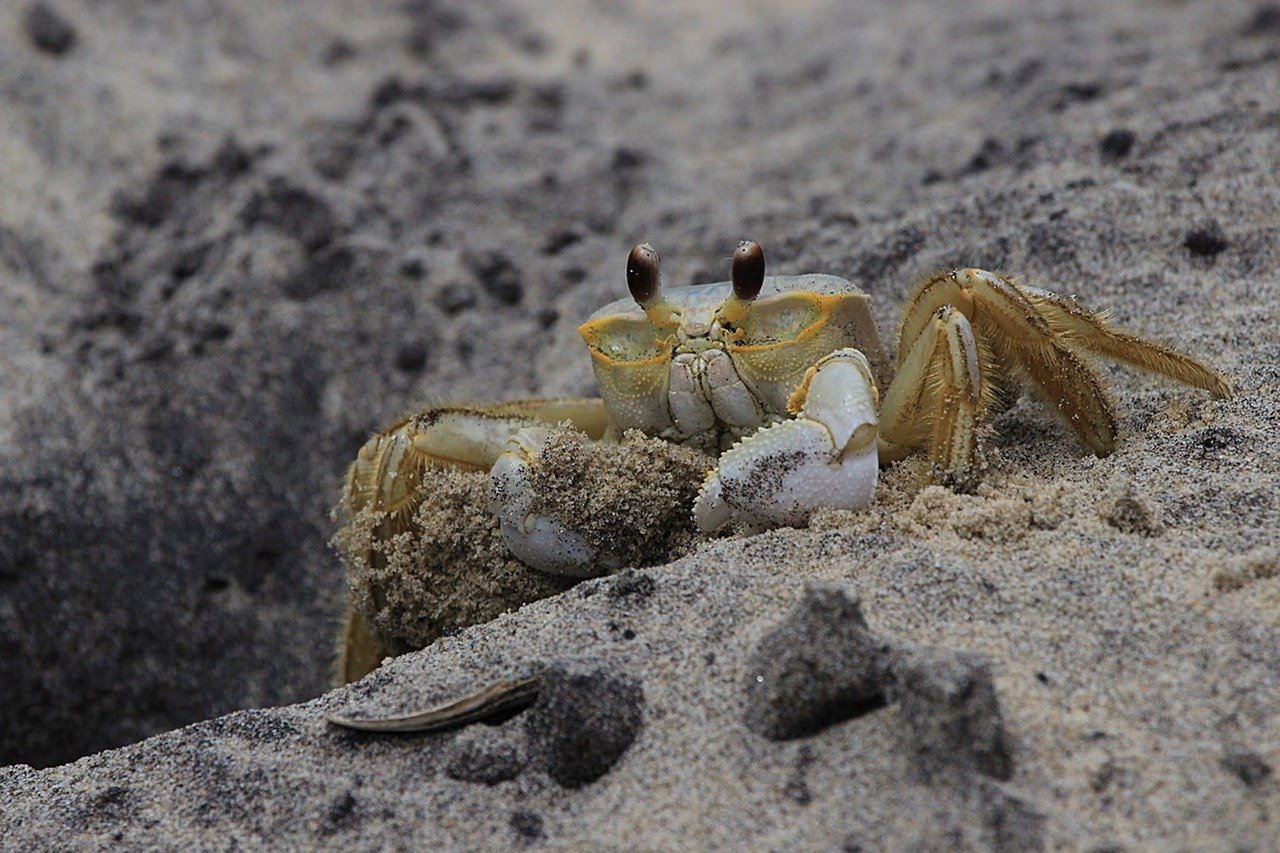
point(1085, 328)
point(939, 397)
point(903, 419)
point(927, 298)
point(1013, 327)
point(1007, 327)
point(387, 473)
point(960, 398)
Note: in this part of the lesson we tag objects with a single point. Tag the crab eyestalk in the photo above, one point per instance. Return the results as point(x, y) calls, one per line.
point(644, 280)
point(747, 274)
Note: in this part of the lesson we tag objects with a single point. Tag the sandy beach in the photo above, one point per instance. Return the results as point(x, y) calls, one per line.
point(236, 239)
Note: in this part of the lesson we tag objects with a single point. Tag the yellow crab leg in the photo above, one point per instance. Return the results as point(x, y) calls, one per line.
point(903, 420)
point(927, 298)
point(1015, 329)
point(960, 397)
point(386, 474)
point(1082, 327)
point(1071, 387)
point(360, 653)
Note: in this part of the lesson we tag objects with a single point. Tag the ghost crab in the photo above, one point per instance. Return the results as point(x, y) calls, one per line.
point(779, 377)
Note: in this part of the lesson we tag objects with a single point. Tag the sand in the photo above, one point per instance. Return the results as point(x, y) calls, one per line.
point(418, 205)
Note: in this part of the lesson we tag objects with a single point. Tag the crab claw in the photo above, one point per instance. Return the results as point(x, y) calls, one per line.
point(537, 540)
point(825, 457)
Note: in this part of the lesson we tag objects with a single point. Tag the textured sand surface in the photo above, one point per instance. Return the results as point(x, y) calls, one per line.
point(236, 238)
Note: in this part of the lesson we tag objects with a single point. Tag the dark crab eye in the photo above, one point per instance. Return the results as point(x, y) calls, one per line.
point(748, 270)
point(642, 274)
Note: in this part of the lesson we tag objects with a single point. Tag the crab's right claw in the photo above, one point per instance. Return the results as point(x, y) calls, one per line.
point(537, 540)
point(825, 457)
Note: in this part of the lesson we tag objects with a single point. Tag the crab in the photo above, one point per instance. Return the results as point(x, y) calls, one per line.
point(779, 377)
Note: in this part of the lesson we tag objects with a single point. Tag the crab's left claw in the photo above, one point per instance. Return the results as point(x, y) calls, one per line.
point(825, 457)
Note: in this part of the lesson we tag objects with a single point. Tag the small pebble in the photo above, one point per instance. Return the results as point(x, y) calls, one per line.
point(950, 712)
point(1205, 240)
point(497, 275)
point(411, 357)
point(527, 825)
point(1128, 511)
point(454, 298)
point(819, 667)
point(48, 30)
point(414, 264)
point(586, 717)
point(1118, 143)
point(1249, 767)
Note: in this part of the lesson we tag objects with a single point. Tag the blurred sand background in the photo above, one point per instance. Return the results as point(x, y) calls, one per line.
point(236, 237)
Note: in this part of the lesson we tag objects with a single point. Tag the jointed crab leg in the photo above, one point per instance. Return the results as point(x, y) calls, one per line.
point(912, 397)
point(960, 396)
point(940, 394)
point(929, 296)
point(1071, 388)
point(387, 470)
point(968, 333)
point(1016, 330)
point(905, 410)
point(1076, 324)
